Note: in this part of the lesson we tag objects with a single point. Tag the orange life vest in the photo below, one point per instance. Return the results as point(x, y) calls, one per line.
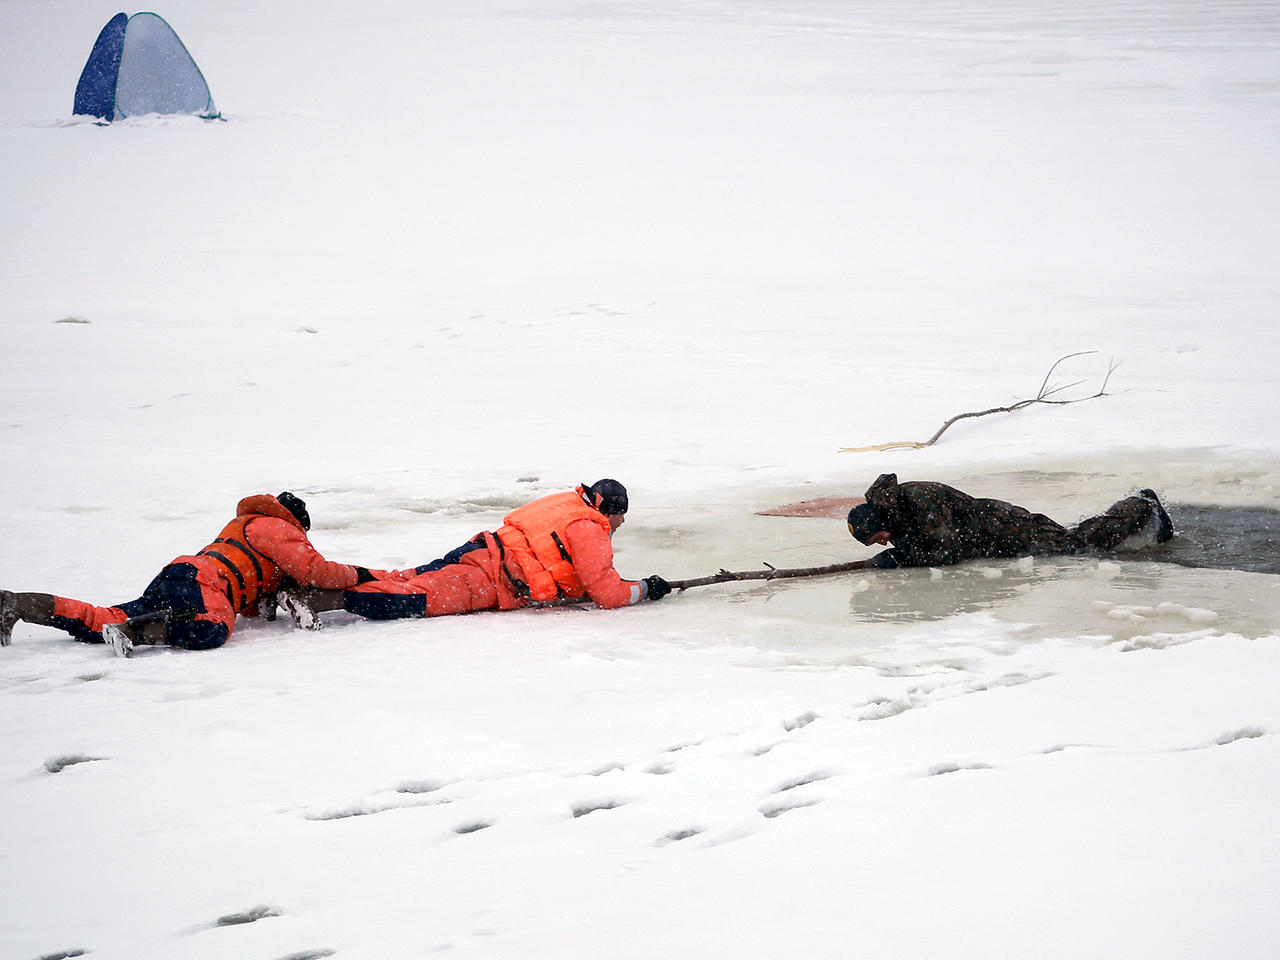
point(534, 540)
point(247, 572)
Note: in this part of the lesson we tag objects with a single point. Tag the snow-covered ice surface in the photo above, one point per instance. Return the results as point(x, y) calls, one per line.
point(441, 258)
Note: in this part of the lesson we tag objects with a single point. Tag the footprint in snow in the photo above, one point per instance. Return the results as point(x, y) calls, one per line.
point(675, 836)
point(253, 914)
point(58, 764)
point(1231, 736)
point(938, 769)
point(368, 808)
point(803, 781)
point(772, 810)
point(797, 723)
point(1059, 747)
point(422, 786)
point(582, 809)
point(1244, 733)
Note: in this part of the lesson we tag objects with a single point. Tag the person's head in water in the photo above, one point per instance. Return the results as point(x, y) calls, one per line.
point(866, 524)
point(609, 497)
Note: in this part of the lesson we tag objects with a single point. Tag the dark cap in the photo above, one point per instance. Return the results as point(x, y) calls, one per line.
point(607, 496)
point(865, 522)
point(297, 507)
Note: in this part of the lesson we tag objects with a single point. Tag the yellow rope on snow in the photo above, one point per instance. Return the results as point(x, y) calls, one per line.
point(885, 446)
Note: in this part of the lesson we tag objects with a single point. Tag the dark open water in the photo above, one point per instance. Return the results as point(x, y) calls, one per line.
point(1224, 538)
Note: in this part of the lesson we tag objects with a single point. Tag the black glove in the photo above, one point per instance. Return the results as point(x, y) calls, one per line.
point(885, 560)
point(657, 587)
point(363, 575)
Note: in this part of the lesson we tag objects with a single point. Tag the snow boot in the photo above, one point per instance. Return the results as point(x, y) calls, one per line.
point(8, 616)
point(34, 608)
point(147, 629)
point(1164, 532)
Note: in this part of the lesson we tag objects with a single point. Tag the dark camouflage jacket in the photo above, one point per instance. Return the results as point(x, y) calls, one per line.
point(933, 524)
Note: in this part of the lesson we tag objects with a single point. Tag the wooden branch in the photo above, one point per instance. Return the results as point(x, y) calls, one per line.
point(1045, 395)
point(773, 573)
point(725, 576)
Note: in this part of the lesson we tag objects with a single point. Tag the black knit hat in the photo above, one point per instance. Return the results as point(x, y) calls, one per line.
point(297, 507)
point(607, 496)
point(865, 522)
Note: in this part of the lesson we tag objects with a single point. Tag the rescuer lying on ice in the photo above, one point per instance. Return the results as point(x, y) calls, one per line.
point(933, 524)
point(194, 600)
point(557, 547)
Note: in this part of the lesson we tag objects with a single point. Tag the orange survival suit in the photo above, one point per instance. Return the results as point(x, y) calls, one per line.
point(555, 547)
point(208, 589)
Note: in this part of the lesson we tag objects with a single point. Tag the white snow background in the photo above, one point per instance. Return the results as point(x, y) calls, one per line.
point(440, 258)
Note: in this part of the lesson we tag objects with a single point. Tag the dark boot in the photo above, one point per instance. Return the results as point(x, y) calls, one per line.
point(149, 629)
point(1164, 532)
point(305, 604)
point(34, 608)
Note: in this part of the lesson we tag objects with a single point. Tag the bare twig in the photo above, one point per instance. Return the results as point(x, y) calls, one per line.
point(1045, 395)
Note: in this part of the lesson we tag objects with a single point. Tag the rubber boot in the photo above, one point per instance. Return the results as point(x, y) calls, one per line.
point(148, 629)
point(1164, 532)
point(34, 608)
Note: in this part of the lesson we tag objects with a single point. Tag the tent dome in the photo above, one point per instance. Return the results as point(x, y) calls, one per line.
point(139, 66)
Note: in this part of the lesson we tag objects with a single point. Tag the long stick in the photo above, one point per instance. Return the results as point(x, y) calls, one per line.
point(773, 573)
point(725, 576)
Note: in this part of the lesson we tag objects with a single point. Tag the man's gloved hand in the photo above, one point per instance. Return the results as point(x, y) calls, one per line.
point(657, 587)
point(363, 575)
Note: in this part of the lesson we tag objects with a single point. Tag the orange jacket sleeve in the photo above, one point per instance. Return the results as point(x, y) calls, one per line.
point(289, 549)
point(593, 563)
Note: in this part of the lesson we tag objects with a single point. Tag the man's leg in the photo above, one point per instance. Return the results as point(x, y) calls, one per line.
point(171, 604)
point(457, 588)
point(462, 587)
point(84, 621)
point(146, 628)
point(181, 607)
point(34, 608)
point(456, 583)
point(1131, 523)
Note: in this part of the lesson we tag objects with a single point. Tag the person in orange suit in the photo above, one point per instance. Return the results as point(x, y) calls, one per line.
point(556, 548)
point(194, 601)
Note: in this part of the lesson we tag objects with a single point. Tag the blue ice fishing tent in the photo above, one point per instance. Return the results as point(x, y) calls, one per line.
point(139, 66)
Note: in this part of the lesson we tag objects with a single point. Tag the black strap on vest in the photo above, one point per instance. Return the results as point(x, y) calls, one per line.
point(518, 586)
point(226, 563)
point(564, 553)
point(249, 551)
point(235, 571)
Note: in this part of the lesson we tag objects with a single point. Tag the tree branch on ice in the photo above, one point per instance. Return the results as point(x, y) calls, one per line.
point(1048, 393)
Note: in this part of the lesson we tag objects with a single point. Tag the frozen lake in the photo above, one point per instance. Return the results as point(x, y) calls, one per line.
point(439, 260)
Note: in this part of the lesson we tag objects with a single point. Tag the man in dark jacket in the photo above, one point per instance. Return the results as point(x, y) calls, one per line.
point(932, 524)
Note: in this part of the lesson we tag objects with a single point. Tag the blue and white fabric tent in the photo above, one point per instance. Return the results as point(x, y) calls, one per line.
point(139, 66)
